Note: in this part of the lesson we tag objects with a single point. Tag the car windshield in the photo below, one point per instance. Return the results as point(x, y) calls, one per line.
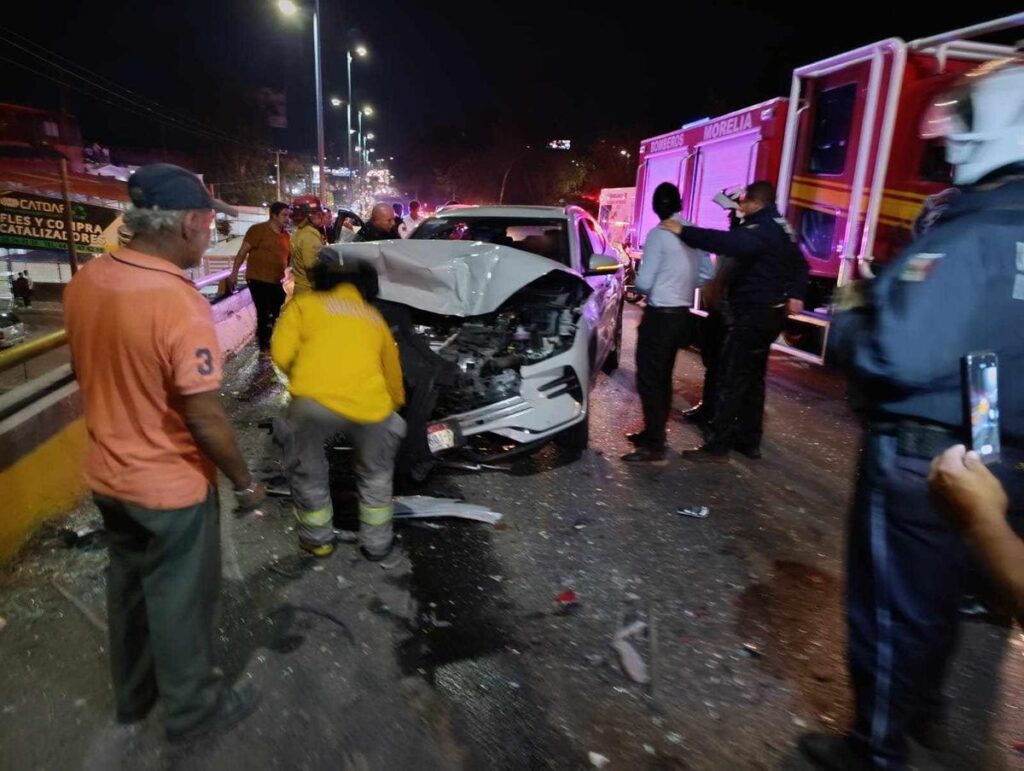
point(545, 237)
point(8, 319)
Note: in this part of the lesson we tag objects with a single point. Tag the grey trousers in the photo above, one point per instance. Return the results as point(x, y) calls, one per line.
point(163, 583)
point(302, 436)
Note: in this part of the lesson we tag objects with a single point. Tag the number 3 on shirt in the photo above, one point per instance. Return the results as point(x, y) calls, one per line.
point(205, 366)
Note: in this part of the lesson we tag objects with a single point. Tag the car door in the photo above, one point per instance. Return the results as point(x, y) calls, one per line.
point(607, 288)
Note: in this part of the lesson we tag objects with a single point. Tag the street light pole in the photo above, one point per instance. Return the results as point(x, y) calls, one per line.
point(348, 110)
point(319, 105)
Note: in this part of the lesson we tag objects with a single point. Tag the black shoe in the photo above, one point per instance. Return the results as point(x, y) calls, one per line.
point(646, 454)
point(931, 733)
point(640, 438)
point(834, 753)
point(754, 453)
point(705, 455)
point(235, 705)
point(698, 416)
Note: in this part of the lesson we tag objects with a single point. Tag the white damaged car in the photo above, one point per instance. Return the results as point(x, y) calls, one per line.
point(503, 317)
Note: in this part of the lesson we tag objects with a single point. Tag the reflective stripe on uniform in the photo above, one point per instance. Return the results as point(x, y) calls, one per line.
point(318, 518)
point(376, 515)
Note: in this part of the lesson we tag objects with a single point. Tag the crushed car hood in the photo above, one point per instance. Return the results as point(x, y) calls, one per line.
point(452, 278)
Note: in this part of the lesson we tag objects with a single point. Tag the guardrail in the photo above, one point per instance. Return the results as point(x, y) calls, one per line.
point(25, 352)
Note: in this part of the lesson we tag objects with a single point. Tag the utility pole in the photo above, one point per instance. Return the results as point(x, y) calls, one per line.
point(277, 172)
point(69, 229)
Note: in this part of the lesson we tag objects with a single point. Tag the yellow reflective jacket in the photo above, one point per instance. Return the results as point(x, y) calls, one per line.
point(337, 349)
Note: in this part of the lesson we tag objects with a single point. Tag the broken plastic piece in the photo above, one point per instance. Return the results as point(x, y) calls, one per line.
point(697, 512)
point(637, 627)
point(632, 664)
point(423, 506)
point(597, 760)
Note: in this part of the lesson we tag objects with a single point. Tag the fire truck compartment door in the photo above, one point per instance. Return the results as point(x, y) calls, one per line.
point(665, 167)
point(721, 164)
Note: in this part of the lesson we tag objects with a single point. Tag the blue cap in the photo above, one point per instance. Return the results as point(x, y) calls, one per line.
point(172, 188)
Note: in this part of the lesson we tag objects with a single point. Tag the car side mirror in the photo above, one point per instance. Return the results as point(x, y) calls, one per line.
point(602, 265)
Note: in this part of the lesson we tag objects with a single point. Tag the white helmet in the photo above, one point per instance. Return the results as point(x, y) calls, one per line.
point(981, 119)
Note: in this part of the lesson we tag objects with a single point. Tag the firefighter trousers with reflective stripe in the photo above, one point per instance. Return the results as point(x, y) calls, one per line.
point(905, 574)
point(303, 436)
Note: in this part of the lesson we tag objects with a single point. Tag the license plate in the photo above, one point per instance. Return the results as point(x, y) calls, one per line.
point(440, 437)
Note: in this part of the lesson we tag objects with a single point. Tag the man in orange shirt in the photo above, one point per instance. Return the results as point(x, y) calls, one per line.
point(266, 247)
point(144, 351)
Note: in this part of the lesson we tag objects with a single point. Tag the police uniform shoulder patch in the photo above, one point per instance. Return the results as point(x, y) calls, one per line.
point(920, 266)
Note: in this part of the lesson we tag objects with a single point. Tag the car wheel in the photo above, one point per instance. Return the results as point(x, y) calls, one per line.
point(611, 363)
point(576, 437)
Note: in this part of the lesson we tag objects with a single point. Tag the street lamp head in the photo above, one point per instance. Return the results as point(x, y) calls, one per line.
point(336, 101)
point(367, 111)
point(287, 7)
point(361, 50)
point(371, 136)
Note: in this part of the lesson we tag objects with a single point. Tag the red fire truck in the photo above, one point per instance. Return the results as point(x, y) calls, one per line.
point(849, 162)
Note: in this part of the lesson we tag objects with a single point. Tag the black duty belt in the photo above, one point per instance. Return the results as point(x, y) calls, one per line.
point(919, 440)
point(915, 439)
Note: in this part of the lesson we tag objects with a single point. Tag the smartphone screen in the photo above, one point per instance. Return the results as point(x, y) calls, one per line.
point(982, 390)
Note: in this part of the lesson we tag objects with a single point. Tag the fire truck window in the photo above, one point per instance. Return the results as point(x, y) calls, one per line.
point(817, 233)
point(833, 119)
point(934, 166)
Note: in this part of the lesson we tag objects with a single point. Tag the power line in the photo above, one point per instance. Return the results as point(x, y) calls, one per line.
point(131, 105)
point(130, 99)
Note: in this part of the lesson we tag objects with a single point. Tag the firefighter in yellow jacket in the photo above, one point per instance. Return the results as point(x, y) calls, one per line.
point(307, 241)
point(345, 379)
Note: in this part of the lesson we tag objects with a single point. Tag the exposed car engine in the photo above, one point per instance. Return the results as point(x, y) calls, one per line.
point(488, 351)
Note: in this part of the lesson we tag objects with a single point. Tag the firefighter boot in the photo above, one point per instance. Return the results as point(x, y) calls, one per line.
point(316, 531)
point(376, 534)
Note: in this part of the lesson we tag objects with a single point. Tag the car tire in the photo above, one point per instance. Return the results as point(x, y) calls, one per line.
point(611, 362)
point(577, 437)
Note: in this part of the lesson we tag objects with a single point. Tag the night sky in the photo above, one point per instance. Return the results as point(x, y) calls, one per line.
point(540, 69)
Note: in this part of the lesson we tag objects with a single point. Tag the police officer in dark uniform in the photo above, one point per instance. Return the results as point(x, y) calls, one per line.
point(713, 333)
point(959, 288)
point(767, 280)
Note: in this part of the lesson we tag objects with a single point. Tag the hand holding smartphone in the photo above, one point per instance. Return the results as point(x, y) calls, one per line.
point(981, 403)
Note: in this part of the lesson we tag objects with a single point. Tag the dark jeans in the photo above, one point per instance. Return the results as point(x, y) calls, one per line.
point(162, 587)
point(739, 403)
point(660, 335)
point(268, 299)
